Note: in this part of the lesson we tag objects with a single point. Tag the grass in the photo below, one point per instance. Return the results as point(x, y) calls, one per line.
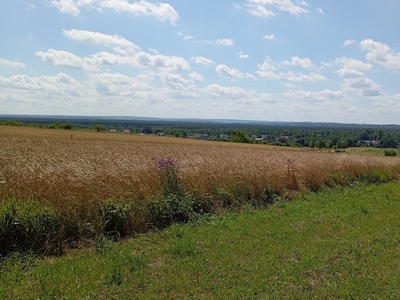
point(327, 245)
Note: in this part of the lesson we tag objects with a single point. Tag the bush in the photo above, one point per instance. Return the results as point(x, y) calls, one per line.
point(164, 211)
point(389, 152)
point(29, 226)
point(115, 219)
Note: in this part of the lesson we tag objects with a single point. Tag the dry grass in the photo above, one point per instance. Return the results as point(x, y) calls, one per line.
point(92, 166)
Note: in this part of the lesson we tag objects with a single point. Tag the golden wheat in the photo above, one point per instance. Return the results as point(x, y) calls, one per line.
point(52, 167)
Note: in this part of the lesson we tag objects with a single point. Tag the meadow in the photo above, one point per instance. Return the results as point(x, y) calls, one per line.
point(341, 244)
point(84, 184)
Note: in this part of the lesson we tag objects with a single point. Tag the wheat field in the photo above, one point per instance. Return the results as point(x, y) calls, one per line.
point(109, 183)
point(55, 165)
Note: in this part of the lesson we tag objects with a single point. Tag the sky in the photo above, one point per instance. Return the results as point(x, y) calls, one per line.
point(266, 60)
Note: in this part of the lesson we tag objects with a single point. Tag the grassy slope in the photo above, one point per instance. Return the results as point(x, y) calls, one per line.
point(340, 245)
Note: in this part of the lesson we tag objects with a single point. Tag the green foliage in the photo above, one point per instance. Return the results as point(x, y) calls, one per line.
point(390, 152)
point(12, 123)
point(98, 127)
point(240, 136)
point(115, 218)
point(29, 226)
point(164, 211)
point(58, 125)
point(335, 244)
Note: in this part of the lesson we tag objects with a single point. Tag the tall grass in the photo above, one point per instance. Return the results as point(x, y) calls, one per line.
point(106, 182)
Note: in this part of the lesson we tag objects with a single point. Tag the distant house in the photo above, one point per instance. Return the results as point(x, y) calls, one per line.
point(199, 136)
point(160, 133)
point(372, 143)
point(224, 137)
point(126, 131)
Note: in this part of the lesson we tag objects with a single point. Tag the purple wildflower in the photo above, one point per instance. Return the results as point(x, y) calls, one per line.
point(167, 163)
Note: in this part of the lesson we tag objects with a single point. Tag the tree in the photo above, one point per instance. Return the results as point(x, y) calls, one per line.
point(240, 136)
point(98, 127)
point(342, 144)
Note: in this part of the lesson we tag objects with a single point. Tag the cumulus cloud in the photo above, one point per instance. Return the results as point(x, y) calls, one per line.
point(356, 81)
point(117, 43)
point(10, 63)
point(325, 95)
point(269, 37)
point(196, 76)
point(267, 68)
point(230, 72)
point(299, 62)
point(202, 60)
point(381, 54)
point(66, 6)
point(299, 77)
point(259, 7)
point(242, 55)
point(352, 64)
point(224, 42)
point(162, 11)
point(349, 42)
point(67, 59)
point(237, 93)
point(95, 61)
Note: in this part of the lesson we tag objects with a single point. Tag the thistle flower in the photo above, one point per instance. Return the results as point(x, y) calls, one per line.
point(167, 163)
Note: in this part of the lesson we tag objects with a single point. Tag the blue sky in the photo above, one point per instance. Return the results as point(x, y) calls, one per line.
point(320, 61)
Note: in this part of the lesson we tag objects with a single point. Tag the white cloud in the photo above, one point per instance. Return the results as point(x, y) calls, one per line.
point(95, 61)
point(66, 6)
point(260, 11)
point(353, 64)
point(258, 7)
point(267, 68)
point(224, 42)
point(269, 37)
point(299, 62)
point(196, 76)
point(290, 85)
point(381, 54)
point(202, 61)
point(349, 42)
point(321, 11)
point(242, 55)
point(299, 77)
point(9, 63)
point(162, 11)
point(319, 96)
point(356, 81)
point(66, 59)
point(117, 43)
point(230, 72)
point(237, 93)
point(250, 76)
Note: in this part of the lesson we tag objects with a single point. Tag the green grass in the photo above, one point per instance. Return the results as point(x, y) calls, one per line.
point(342, 244)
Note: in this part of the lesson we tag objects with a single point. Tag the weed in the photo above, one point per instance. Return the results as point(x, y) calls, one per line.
point(29, 226)
point(115, 218)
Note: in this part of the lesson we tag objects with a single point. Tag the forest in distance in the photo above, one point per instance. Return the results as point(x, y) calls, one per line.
point(289, 134)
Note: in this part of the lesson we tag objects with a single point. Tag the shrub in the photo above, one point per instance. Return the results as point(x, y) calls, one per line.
point(389, 152)
point(29, 226)
point(115, 218)
point(165, 211)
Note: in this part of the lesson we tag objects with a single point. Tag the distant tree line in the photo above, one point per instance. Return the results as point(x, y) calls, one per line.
point(340, 137)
